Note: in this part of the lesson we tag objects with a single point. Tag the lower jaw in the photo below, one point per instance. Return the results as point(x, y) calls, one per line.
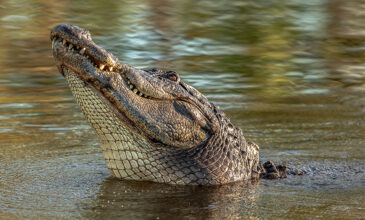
point(125, 152)
point(128, 155)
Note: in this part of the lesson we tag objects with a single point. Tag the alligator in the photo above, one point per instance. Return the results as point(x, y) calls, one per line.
point(150, 124)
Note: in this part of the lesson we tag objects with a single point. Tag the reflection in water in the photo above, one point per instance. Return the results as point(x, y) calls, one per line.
point(265, 199)
point(289, 73)
point(148, 200)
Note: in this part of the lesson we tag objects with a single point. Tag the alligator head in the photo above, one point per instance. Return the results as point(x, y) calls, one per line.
point(151, 125)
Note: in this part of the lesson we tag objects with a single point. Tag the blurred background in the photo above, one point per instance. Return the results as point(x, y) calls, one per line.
point(290, 74)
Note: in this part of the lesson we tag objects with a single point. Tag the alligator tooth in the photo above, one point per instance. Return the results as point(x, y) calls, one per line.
point(110, 68)
point(82, 51)
point(64, 42)
point(77, 47)
point(129, 82)
point(101, 66)
point(53, 43)
point(140, 93)
point(131, 86)
point(135, 91)
point(70, 46)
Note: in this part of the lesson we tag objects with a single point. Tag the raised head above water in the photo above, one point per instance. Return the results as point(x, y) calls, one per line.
point(151, 125)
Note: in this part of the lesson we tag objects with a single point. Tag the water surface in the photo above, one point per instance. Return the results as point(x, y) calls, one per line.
point(290, 74)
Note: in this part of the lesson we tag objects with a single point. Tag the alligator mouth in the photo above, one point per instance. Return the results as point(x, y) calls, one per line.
point(135, 96)
point(73, 50)
point(68, 50)
point(62, 46)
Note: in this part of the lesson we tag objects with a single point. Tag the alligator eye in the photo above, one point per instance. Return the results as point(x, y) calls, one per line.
point(172, 75)
point(172, 78)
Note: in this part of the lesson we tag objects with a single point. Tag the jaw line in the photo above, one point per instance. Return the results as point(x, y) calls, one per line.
point(97, 79)
point(90, 76)
point(118, 114)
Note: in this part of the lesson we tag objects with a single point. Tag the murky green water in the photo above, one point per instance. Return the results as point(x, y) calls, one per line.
point(291, 74)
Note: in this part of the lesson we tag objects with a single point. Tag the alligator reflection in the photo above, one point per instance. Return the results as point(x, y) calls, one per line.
point(150, 200)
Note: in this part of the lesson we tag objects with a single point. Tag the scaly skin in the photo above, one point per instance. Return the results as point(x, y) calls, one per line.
point(151, 126)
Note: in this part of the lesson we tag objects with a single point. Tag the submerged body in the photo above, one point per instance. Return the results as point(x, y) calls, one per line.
point(151, 126)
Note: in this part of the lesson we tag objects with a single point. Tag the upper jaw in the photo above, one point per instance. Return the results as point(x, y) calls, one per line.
point(74, 48)
point(80, 41)
point(97, 75)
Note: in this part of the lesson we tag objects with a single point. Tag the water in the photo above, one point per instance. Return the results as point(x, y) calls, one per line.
point(291, 74)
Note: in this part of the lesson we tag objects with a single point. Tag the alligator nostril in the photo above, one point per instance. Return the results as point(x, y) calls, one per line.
point(86, 34)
